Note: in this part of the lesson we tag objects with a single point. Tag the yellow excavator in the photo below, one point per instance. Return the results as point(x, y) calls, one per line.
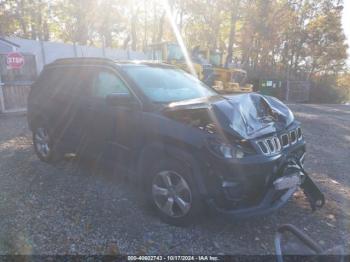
point(170, 52)
point(228, 79)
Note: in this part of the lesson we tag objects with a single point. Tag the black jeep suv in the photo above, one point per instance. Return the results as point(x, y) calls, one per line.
point(187, 146)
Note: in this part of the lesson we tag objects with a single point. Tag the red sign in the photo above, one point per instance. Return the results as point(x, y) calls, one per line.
point(14, 60)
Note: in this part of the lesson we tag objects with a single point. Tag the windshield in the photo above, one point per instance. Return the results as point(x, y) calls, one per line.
point(166, 85)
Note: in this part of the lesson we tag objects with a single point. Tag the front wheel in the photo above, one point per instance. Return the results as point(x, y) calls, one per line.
point(43, 145)
point(174, 194)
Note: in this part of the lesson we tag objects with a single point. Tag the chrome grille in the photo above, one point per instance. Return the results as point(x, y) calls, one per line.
point(285, 140)
point(270, 145)
point(293, 137)
point(300, 135)
point(274, 144)
point(263, 146)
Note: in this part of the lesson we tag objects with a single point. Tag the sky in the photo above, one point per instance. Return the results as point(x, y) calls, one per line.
point(346, 24)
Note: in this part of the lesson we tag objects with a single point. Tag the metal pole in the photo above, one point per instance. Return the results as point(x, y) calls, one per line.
point(288, 82)
point(2, 101)
point(43, 56)
point(75, 49)
point(103, 46)
point(287, 93)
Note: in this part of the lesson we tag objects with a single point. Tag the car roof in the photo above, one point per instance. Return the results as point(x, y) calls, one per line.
point(104, 61)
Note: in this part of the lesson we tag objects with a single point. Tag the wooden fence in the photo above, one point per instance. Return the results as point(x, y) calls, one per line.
point(13, 97)
point(15, 84)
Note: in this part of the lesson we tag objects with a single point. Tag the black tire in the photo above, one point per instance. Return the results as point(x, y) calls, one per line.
point(196, 205)
point(53, 155)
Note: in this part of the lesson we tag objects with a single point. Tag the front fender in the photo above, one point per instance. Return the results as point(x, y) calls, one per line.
point(155, 151)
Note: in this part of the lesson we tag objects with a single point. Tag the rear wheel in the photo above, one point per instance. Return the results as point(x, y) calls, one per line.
point(173, 193)
point(43, 144)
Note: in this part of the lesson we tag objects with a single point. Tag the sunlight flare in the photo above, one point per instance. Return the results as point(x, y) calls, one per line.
point(179, 38)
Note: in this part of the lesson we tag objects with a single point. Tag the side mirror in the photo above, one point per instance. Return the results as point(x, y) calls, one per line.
point(121, 100)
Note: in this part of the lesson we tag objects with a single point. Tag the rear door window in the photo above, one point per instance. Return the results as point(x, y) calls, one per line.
point(50, 78)
point(64, 89)
point(77, 81)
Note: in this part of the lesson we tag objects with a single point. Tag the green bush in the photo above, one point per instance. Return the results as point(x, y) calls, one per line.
point(331, 91)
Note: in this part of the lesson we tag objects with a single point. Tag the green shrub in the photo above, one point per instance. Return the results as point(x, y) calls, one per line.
point(331, 90)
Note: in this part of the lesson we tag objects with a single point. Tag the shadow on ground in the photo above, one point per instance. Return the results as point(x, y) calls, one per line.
point(74, 209)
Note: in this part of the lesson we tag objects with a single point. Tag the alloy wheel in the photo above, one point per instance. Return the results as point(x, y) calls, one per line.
point(171, 193)
point(42, 142)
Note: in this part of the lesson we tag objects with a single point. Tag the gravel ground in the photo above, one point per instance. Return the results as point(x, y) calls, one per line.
point(69, 209)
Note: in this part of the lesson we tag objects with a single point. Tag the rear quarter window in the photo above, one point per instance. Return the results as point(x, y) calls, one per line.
point(49, 78)
point(64, 80)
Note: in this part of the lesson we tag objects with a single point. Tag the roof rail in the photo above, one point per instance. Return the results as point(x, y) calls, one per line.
point(102, 60)
point(81, 59)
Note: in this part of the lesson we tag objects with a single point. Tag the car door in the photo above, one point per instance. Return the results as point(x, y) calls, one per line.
point(57, 97)
point(112, 130)
point(71, 105)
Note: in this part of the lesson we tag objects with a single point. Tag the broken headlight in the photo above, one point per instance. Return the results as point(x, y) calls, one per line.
point(225, 149)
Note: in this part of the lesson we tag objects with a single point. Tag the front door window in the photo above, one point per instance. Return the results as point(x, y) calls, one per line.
point(107, 83)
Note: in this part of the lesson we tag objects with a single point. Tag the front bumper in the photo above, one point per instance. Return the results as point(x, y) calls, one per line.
point(267, 205)
point(249, 189)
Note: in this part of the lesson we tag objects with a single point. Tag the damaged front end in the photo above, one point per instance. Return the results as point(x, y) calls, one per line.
point(256, 150)
point(272, 196)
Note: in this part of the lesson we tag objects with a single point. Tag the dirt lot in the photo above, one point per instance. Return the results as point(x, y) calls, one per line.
point(69, 209)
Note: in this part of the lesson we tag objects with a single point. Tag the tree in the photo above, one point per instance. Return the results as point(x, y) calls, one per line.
point(271, 38)
point(235, 7)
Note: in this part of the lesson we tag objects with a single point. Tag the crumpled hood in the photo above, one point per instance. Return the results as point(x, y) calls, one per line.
point(245, 115)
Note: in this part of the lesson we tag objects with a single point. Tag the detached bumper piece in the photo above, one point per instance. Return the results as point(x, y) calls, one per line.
point(281, 190)
point(312, 193)
point(310, 189)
